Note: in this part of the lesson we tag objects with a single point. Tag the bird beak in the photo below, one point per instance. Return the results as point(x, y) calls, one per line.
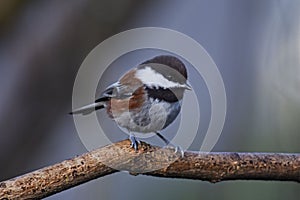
point(187, 86)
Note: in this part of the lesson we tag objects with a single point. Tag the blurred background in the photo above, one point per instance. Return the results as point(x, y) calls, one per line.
point(255, 44)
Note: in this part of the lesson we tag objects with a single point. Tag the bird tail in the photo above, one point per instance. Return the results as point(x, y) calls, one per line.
point(84, 110)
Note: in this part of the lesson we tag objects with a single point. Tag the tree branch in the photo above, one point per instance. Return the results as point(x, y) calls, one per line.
point(211, 167)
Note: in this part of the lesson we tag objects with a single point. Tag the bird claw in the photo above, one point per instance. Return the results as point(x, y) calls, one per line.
point(179, 149)
point(168, 143)
point(134, 142)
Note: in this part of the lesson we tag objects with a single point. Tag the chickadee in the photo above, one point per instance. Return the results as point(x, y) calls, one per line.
point(145, 99)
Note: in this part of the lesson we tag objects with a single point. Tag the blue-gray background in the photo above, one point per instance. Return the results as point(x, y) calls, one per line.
point(255, 44)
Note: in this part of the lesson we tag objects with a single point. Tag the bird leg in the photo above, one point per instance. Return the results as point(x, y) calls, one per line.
point(134, 142)
point(167, 142)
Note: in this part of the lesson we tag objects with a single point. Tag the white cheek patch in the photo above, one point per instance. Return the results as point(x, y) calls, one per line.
point(153, 79)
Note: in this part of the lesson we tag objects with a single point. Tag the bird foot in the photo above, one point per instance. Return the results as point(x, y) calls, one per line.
point(179, 149)
point(134, 142)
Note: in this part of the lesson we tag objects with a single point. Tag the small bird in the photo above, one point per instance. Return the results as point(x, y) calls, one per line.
point(146, 99)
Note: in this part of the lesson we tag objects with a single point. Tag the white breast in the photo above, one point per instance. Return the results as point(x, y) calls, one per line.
point(151, 119)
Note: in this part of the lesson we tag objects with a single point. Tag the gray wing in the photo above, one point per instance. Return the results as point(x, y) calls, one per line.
point(115, 90)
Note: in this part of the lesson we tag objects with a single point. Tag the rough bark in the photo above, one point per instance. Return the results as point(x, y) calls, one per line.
point(154, 161)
